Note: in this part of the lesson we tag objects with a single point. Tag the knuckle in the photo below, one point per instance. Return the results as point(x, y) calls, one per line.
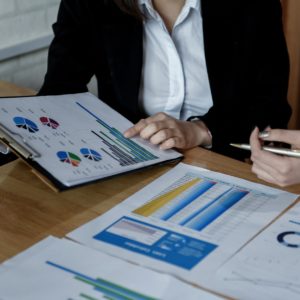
point(154, 140)
point(140, 124)
point(283, 182)
point(255, 169)
point(141, 121)
point(156, 126)
point(162, 115)
point(286, 169)
point(253, 156)
point(163, 134)
point(172, 123)
point(153, 127)
point(172, 142)
point(144, 133)
point(260, 177)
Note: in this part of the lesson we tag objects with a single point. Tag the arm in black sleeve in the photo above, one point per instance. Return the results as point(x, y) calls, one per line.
point(71, 53)
point(269, 93)
point(258, 79)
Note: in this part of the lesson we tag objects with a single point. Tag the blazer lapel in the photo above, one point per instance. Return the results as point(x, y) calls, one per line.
point(124, 47)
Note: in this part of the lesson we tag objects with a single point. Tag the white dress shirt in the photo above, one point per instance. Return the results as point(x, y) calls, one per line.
point(174, 76)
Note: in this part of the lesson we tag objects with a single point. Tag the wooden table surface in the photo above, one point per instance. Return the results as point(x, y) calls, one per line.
point(30, 210)
point(10, 89)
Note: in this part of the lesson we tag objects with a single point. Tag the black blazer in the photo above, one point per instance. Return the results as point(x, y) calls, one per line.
point(245, 50)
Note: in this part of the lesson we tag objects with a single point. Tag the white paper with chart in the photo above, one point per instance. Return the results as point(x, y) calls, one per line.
point(76, 138)
point(269, 265)
point(64, 270)
point(188, 222)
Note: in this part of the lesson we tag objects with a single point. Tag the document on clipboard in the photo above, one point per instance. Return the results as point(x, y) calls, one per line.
point(74, 139)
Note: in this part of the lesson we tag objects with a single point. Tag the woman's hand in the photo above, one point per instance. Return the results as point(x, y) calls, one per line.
point(168, 132)
point(273, 168)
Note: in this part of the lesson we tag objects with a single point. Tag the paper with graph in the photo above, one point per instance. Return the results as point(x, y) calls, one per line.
point(188, 222)
point(64, 270)
point(269, 266)
point(75, 138)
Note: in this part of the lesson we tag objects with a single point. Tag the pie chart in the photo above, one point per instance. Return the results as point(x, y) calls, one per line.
point(69, 158)
point(49, 122)
point(90, 154)
point(26, 124)
point(289, 239)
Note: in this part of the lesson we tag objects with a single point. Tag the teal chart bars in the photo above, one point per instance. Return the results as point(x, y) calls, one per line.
point(55, 269)
point(110, 290)
point(123, 150)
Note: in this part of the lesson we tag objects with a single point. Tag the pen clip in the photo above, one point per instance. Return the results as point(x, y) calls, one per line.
point(17, 143)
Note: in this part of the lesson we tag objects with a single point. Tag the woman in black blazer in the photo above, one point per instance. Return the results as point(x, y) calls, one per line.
point(246, 58)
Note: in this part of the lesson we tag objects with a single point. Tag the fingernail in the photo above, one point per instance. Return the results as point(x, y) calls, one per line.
point(264, 134)
point(268, 128)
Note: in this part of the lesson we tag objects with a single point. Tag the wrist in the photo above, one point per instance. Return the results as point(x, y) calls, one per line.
point(205, 134)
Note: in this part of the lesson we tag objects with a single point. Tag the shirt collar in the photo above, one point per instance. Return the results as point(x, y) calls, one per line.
point(147, 6)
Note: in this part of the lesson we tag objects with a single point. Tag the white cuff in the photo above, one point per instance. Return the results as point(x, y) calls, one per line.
point(4, 149)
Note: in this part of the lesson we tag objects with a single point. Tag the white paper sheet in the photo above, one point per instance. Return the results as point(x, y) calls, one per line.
point(269, 266)
point(78, 137)
point(63, 270)
point(188, 222)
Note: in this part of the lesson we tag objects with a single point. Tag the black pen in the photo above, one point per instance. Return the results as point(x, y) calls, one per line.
point(277, 150)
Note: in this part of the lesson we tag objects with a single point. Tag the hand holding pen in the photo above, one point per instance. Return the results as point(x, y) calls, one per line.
point(281, 170)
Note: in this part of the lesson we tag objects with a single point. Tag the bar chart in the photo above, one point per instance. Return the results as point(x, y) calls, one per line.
point(125, 151)
point(107, 290)
point(194, 203)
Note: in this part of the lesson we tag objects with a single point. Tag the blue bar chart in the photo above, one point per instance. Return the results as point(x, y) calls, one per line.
point(202, 218)
point(194, 204)
point(125, 151)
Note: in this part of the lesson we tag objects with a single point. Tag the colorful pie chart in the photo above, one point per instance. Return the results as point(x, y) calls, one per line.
point(26, 124)
point(90, 154)
point(69, 158)
point(49, 122)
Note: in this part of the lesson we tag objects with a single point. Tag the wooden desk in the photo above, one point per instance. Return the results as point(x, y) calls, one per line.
point(10, 89)
point(30, 211)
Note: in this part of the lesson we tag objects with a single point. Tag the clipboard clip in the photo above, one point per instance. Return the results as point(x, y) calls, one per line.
point(17, 143)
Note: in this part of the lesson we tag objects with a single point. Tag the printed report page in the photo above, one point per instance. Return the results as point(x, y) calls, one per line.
point(188, 222)
point(77, 138)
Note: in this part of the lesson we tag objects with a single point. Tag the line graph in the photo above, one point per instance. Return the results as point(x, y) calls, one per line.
point(276, 284)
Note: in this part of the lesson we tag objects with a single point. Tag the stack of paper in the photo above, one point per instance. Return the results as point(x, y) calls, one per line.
point(190, 226)
point(63, 270)
point(188, 222)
